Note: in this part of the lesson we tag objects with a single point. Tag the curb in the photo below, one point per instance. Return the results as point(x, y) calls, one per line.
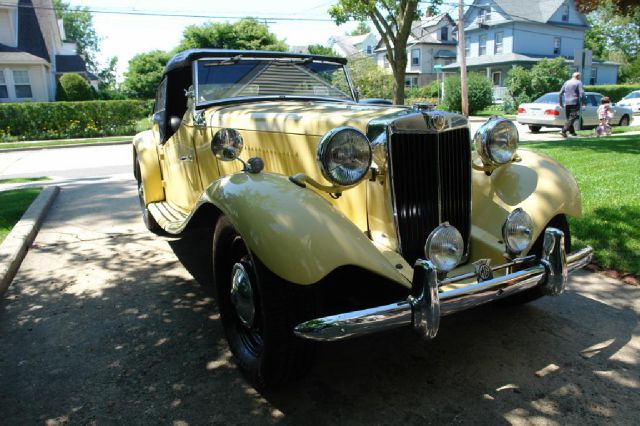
point(77, 145)
point(15, 245)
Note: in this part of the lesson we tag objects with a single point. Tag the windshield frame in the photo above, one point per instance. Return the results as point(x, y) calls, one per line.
point(221, 101)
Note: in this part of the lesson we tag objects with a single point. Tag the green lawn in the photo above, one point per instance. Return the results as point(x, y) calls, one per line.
point(57, 142)
point(614, 129)
point(25, 180)
point(608, 173)
point(13, 204)
point(494, 110)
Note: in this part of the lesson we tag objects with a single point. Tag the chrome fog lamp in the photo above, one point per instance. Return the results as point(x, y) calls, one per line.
point(344, 156)
point(444, 247)
point(497, 141)
point(517, 231)
point(227, 144)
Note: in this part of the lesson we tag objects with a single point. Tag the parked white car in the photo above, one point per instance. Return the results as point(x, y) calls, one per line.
point(632, 101)
point(546, 112)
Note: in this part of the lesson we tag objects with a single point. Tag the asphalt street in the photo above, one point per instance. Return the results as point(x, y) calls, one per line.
point(106, 323)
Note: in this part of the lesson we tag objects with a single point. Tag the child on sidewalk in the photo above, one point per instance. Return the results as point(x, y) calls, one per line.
point(605, 114)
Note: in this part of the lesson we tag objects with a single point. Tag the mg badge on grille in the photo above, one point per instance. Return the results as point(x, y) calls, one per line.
point(483, 270)
point(438, 122)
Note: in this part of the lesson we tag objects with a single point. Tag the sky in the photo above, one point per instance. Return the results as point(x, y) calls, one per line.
point(126, 35)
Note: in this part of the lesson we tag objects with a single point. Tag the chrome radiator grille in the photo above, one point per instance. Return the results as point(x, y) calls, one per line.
point(431, 181)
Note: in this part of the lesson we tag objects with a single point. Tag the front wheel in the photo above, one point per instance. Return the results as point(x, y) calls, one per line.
point(534, 129)
point(624, 121)
point(259, 310)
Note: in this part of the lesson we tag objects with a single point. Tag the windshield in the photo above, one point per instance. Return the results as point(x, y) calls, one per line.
point(549, 98)
point(632, 95)
point(220, 79)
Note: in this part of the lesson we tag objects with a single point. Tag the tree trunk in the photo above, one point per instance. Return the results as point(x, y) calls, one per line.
point(399, 71)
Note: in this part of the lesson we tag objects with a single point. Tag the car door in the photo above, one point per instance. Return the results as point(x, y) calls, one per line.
point(590, 111)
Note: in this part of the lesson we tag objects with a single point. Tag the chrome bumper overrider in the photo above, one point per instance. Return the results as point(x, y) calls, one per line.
point(423, 309)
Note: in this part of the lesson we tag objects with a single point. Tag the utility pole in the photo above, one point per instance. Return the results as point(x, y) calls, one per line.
point(463, 60)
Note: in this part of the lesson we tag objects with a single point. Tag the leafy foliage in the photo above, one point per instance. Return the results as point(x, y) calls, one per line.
point(246, 34)
point(630, 73)
point(548, 75)
point(144, 74)
point(368, 78)
point(55, 120)
point(318, 49)
point(393, 21)
point(73, 87)
point(479, 90)
point(361, 29)
point(624, 7)
point(613, 91)
point(613, 36)
point(78, 26)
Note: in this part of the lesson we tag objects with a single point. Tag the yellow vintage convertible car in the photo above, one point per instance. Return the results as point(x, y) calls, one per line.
point(333, 219)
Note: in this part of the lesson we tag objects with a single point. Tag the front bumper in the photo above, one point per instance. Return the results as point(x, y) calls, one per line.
point(423, 309)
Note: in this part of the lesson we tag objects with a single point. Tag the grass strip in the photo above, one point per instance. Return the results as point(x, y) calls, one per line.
point(606, 170)
point(25, 180)
point(13, 204)
point(31, 144)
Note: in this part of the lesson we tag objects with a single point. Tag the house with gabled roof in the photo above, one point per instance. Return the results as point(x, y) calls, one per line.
point(358, 45)
point(430, 43)
point(34, 52)
point(500, 34)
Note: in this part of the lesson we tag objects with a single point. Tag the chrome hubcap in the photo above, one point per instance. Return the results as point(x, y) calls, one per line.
point(242, 295)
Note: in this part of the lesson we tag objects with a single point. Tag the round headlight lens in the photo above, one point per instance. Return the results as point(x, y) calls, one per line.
point(497, 141)
point(444, 247)
point(344, 156)
point(517, 231)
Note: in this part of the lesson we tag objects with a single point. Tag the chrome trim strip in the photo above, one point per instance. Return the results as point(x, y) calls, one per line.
point(423, 309)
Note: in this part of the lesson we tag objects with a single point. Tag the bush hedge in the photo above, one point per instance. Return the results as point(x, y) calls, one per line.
point(613, 91)
point(59, 120)
point(479, 93)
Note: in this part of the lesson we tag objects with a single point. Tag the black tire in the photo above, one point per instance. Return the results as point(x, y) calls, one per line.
point(266, 350)
point(532, 294)
point(534, 129)
point(624, 121)
point(149, 222)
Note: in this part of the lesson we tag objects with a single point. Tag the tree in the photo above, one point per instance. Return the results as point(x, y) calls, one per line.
point(624, 7)
point(144, 74)
point(548, 75)
point(479, 90)
point(78, 26)
point(370, 80)
point(318, 49)
point(612, 35)
point(73, 87)
point(246, 34)
point(361, 29)
point(393, 21)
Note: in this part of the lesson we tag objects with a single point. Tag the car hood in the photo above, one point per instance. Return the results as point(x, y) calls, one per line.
point(306, 118)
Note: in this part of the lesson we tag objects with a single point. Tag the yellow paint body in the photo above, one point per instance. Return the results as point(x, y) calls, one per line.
point(302, 234)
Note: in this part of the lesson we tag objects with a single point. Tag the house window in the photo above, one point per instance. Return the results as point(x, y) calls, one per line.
point(22, 84)
point(484, 15)
point(497, 47)
point(369, 50)
point(467, 48)
point(594, 76)
point(4, 92)
point(565, 13)
point(556, 45)
point(415, 57)
point(483, 45)
point(496, 77)
point(411, 82)
point(444, 34)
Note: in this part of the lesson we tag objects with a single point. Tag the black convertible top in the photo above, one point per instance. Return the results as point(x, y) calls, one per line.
point(184, 58)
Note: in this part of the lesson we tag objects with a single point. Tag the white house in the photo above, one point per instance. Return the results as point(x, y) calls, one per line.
point(348, 46)
point(430, 43)
point(502, 33)
point(33, 52)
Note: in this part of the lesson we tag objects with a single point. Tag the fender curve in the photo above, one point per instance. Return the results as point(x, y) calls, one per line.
point(296, 233)
point(538, 184)
point(147, 153)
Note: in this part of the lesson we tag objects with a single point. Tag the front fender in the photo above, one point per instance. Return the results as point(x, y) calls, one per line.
point(538, 184)
point(147, 153)
point(296, 233)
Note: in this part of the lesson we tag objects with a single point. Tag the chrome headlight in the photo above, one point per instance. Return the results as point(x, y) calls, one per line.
point(444, 247)
point(497, 141)
point(344, 156)
point(517, 231)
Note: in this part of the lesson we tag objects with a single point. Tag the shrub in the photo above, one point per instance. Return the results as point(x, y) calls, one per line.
point(479, 91)
point(73, 87)
point(614, 91)
point(525, 85)
point(56, 120)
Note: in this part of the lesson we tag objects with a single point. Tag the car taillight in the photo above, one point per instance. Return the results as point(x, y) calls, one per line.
point(552, 112)
point(521, 110)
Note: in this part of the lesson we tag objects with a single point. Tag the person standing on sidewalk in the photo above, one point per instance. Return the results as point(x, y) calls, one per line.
point(573, 93)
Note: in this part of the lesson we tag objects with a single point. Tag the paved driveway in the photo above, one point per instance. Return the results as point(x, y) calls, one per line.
point(104, 324)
